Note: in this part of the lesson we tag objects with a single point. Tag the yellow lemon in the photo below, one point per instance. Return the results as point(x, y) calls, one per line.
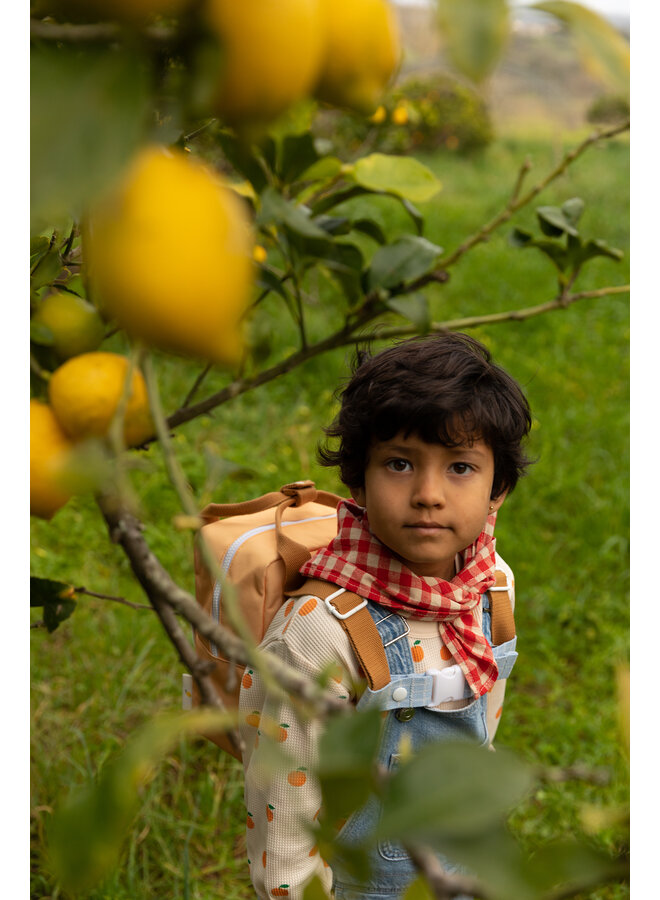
point(379, 116)
point(272, 53)
point(74, 323)
point(362, 52)
point(169, 255)
point(400, 115)
point(84, 394)
point(49, 452)
point(135, 11)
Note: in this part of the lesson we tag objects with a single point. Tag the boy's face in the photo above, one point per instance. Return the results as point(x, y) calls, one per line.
point(426, 502)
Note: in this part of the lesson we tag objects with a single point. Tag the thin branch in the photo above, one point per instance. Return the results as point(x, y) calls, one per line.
point(93, 33)
point(444, 885)
point(347, 336)
point(562, 301)
point(39, 370)
point(126, 530)
point(83, 590)
point(196, 386)
point(516, 203)
point(576, 772)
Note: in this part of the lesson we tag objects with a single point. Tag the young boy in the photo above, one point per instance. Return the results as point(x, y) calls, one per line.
point(430, 434)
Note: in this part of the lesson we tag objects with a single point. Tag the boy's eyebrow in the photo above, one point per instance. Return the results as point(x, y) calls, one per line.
point(407, 449)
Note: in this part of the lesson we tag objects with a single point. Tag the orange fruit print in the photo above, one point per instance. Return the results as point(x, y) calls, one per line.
point(297, 778)
point(417, 652)
point(308, 606)
point(280, 891)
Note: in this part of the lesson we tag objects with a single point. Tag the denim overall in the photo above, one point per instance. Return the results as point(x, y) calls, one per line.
point(391, 867)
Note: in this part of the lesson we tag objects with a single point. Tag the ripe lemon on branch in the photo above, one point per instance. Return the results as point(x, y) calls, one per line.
point(75, 325)
point(84, 394)
point(361, 52)
point(169, 256)
point(271, 55)
point(50, 450)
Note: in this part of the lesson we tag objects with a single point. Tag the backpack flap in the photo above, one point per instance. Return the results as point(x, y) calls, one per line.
point(259, 546)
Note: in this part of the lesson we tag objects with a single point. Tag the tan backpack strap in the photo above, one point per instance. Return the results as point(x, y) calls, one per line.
point(359, 627)
point(503, 627)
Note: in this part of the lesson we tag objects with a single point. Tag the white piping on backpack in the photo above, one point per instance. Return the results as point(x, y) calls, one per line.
point(231, 553)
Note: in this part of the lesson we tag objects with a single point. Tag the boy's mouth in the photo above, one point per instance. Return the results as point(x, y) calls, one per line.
point(427, 526)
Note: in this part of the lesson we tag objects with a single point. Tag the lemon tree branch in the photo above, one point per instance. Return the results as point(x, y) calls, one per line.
point(127, 531)
point(516, 202)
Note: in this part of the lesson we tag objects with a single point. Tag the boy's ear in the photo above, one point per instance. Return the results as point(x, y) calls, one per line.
point(496, 502)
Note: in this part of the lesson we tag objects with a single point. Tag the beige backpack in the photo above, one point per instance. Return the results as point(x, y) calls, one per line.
point(260, 546)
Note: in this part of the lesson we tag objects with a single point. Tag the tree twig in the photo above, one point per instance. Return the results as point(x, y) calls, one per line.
point(126, 530)
point(444, 885)
point(122, 600)
point(515, 203)
point(347, 336)
point(93, 33)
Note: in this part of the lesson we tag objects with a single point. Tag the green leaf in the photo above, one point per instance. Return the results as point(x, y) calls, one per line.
point(85, 835)
point(402, 176)
point(46, 270)
point(275, 208)
point(88, 117)
point(349, 744)
point(604, 52)
point(402, 261)
point(521, 238)
point(371, 229)
point(572, 210)
point(572, 862)
point(267, 280)
point(599, 248)
point(451, 789)
point(325, 169)
point(334, 199)
point(418, 890)
point(41, 334)
point(314, 890)
point(415, 215)
point(344, 261)
point(475, 33)
point(56, 598)
point(553, 222)
point(242, 159)
point(297, 154)
point(334, 224)
point(558, 255)
point(414, 307)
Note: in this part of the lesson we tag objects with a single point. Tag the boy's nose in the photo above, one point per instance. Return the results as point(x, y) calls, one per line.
point(428, 492)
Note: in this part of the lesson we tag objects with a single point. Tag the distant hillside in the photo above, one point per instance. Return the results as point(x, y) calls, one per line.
point(539, 79)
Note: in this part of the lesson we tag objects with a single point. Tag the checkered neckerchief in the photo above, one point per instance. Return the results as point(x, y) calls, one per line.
point(358, 561)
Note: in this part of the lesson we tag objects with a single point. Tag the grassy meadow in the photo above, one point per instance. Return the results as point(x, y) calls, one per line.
point(109, 669)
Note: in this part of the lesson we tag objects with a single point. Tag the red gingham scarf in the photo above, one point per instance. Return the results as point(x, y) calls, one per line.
point(358, 561)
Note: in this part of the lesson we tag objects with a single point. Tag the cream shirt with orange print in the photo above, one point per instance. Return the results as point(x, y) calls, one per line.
point(281, 853)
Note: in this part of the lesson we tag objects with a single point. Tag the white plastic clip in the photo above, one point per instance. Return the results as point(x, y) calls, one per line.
point(335, 612)
point(448, 684)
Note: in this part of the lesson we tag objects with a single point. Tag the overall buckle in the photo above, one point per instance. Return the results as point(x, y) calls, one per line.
point(448, 684)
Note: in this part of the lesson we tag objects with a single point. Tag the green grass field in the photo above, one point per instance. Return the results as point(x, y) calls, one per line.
point(109, 669)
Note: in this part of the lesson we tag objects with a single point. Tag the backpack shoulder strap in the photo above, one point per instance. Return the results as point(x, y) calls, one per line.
point(352, 614)
point(503, 626)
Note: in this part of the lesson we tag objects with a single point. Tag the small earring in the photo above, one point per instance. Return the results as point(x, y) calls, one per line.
point(491, 508)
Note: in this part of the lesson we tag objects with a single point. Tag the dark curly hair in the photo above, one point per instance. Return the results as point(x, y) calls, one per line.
point(444, 389)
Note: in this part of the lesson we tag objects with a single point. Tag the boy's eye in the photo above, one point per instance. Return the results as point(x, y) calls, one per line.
point(461, 468)
point(398, 465)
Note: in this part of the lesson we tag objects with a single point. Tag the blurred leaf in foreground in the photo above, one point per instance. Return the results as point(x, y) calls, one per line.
point(86, 834)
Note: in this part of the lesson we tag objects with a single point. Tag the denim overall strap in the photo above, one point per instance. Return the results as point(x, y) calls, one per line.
point(408, 688)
